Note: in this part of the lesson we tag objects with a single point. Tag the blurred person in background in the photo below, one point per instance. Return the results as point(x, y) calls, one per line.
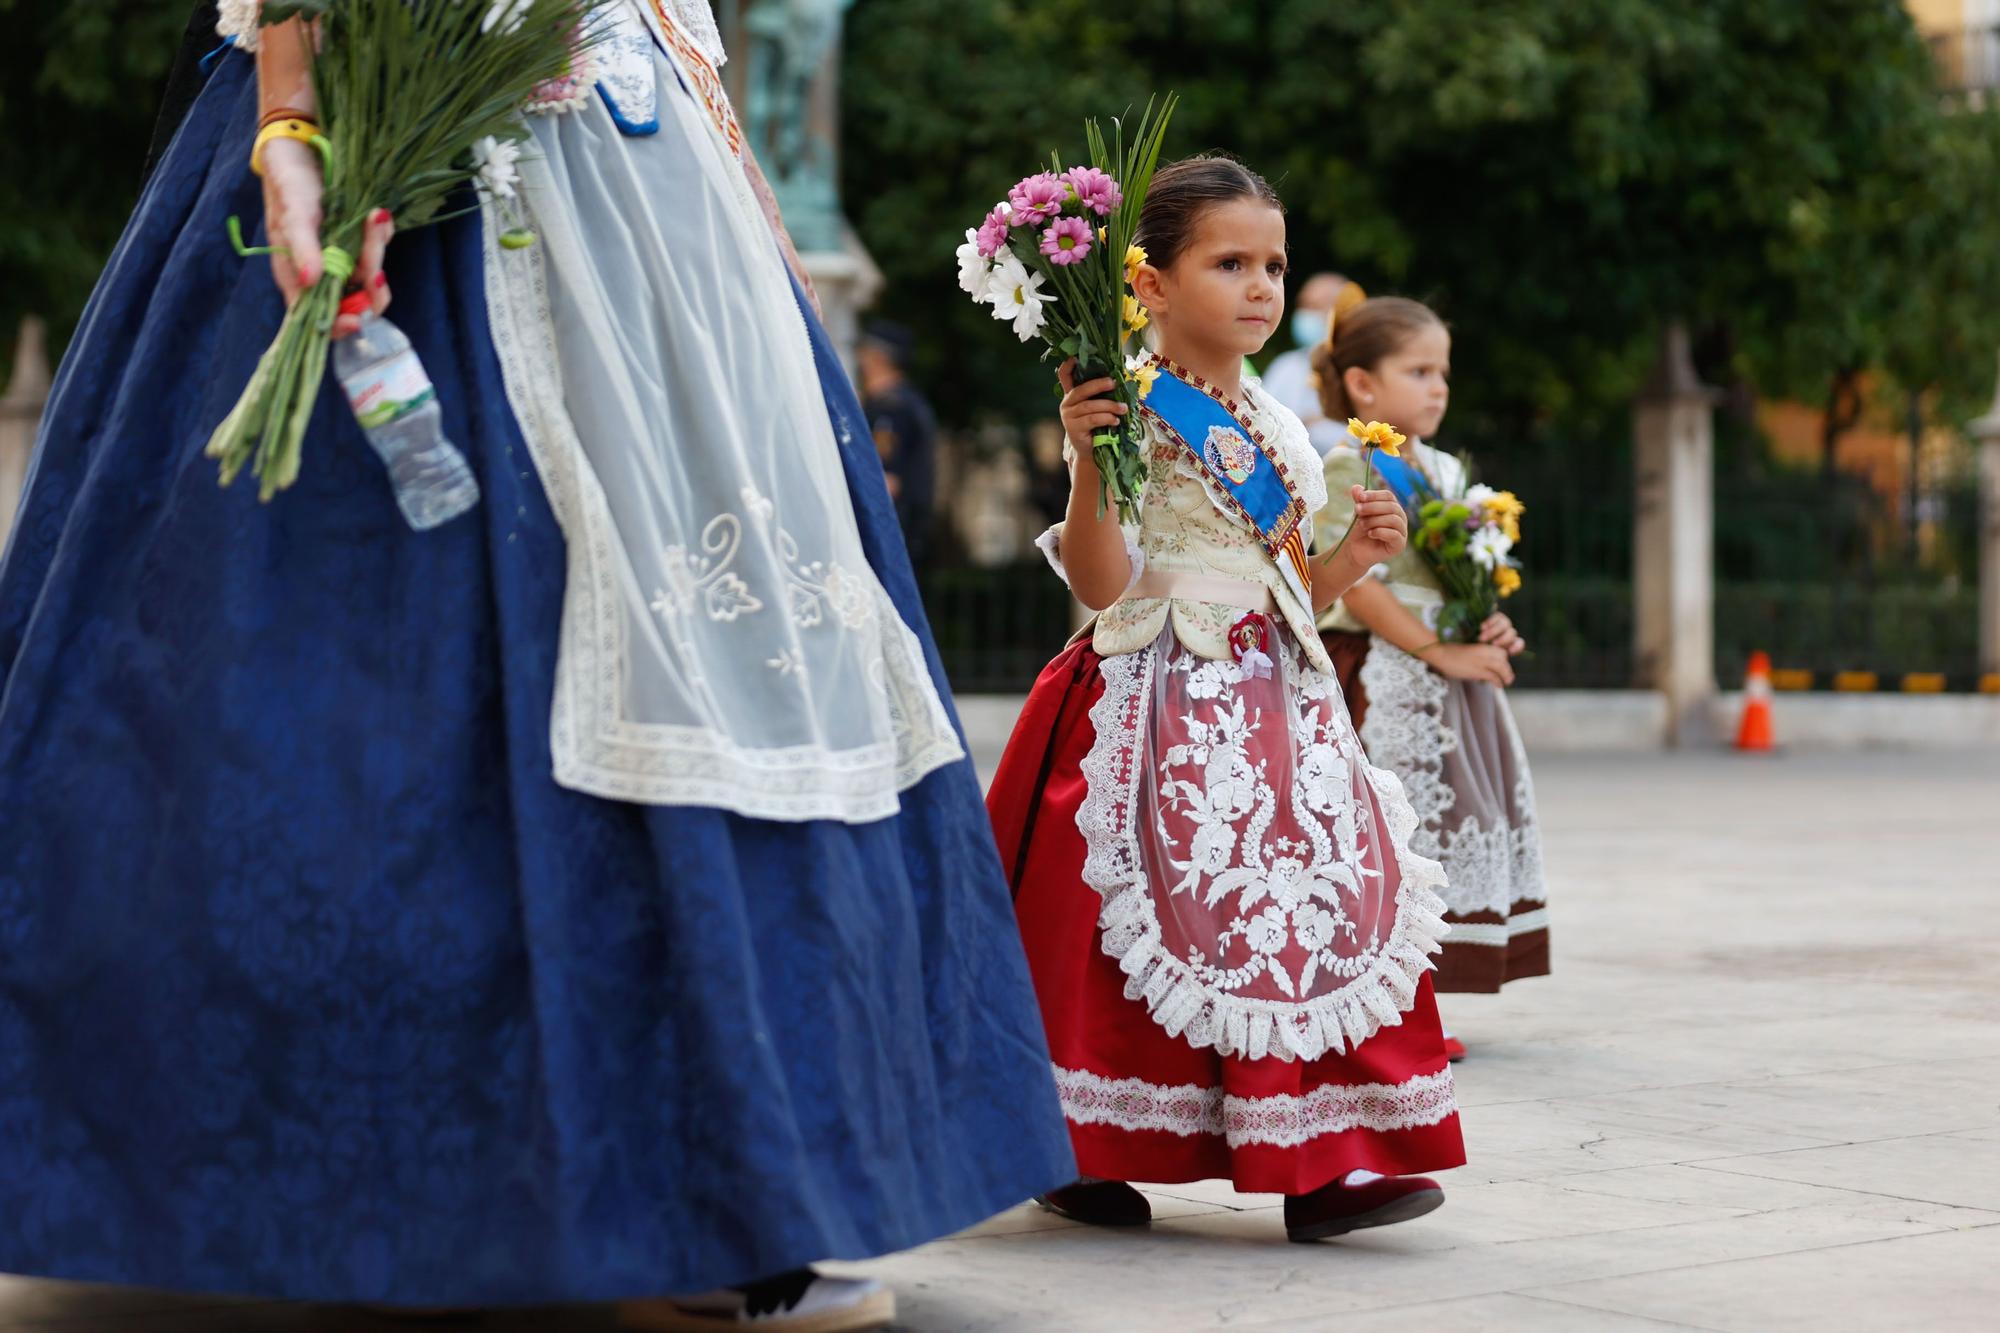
point(905, 431)
point(1322, 300)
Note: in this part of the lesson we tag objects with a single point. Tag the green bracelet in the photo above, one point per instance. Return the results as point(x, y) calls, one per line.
point(1419, 652)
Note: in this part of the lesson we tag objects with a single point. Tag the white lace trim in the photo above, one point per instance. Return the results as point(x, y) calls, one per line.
point(1487, 869)
point(1281, 1121)
point(593, 748)
point(697, 20)
point(1180, 999)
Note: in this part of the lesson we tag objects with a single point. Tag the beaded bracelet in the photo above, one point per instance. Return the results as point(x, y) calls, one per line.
point(285, 113)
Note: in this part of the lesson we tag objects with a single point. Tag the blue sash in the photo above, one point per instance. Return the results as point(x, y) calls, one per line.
point(1243, 475)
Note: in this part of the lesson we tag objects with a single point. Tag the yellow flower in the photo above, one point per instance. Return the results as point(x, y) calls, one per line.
point(1378, 434)
point(1507, 580)
point(1505, 509)
point(1135, 255)
point(1135, 315)
point(1142, 373)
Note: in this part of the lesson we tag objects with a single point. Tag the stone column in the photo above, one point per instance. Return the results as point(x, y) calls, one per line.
point(1986, 431)
point(1673, 549)
point(784, 74)
point(20, 417)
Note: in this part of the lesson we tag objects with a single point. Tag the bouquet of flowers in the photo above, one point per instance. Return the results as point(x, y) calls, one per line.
point(416, 101)
point(1056, 259)
point(1468, 541)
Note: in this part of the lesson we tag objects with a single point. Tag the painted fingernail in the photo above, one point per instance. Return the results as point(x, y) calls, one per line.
point(308, 277)
point(381, 281)
point(379, 216)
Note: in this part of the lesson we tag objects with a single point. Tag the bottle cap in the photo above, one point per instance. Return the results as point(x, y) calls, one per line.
point(354, 303)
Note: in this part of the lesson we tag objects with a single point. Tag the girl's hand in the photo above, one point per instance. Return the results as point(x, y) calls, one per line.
point(1499, 631)
point(1381, 528)
point(1084, 410)
point(293, 190)
point(1469, 661)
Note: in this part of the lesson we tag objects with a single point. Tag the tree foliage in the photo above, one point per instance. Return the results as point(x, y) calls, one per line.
point(1558, 178)
point(79, 87)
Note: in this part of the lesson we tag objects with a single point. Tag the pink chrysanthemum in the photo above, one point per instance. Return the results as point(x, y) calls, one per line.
point(1095, 189)
point(1037, 199)
point(993, 233)
point(1066, 241)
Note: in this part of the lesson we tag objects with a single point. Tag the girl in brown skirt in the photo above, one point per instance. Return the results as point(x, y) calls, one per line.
point(1434, 713)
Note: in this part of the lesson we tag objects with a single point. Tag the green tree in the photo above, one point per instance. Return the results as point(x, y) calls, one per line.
point(79, 87)
point(1559, 178)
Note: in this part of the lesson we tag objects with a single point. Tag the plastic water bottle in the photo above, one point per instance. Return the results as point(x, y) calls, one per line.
point(397, 407)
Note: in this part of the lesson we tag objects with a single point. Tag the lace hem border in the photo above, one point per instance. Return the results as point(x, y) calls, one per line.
point(1279, 1121)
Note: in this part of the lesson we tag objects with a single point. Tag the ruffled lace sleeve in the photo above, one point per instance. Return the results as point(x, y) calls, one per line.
point(1294, 445)
point(1050, 545)
point(237, 20)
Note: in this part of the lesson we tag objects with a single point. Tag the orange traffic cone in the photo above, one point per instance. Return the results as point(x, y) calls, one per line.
point(1753, 733)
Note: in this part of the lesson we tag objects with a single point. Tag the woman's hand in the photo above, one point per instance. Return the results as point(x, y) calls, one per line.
point(1499, 631)
point(1085, 410)
point(1469, 661)
point(293, 190)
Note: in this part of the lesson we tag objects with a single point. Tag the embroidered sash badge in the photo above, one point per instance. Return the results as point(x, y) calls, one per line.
point(1229, 453)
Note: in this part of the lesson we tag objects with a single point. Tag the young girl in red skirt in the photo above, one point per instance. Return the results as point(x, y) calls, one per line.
point(1228, 932)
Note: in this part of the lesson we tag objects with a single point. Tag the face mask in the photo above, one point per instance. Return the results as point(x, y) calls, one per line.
point(1308, 327)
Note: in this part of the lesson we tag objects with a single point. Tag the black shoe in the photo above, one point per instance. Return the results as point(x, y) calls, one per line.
point(1336, 1209)
point(1101, 1203)
point(797, 1302)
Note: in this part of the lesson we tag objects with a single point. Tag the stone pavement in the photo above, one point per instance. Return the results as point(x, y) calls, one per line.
point(1762, 1092)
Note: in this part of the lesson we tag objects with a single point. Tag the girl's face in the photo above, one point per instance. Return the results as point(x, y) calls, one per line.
point(1224, 294)
point(1410, 387)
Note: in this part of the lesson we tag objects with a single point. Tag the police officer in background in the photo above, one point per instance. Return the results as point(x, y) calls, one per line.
point(905, 431)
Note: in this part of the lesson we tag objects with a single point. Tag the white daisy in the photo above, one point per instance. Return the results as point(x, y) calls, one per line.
point(1488, 548)
point(496, 159)
point(975, 271)
point(1017, 295)
point(505, 12)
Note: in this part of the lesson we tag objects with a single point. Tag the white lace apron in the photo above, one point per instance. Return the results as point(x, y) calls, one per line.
point(1259, 891)
point(1455, 746)
point(724, 641)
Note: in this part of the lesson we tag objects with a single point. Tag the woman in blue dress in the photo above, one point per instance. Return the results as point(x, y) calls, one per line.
point(586, 900)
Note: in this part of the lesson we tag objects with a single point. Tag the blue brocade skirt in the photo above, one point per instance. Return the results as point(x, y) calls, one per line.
point(314, 984)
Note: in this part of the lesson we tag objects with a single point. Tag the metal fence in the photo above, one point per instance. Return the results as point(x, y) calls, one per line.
point(996, 628)
point(1827, 628)
point(1802, 568)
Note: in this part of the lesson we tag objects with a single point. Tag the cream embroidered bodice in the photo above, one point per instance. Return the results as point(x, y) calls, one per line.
point(1182, 530)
